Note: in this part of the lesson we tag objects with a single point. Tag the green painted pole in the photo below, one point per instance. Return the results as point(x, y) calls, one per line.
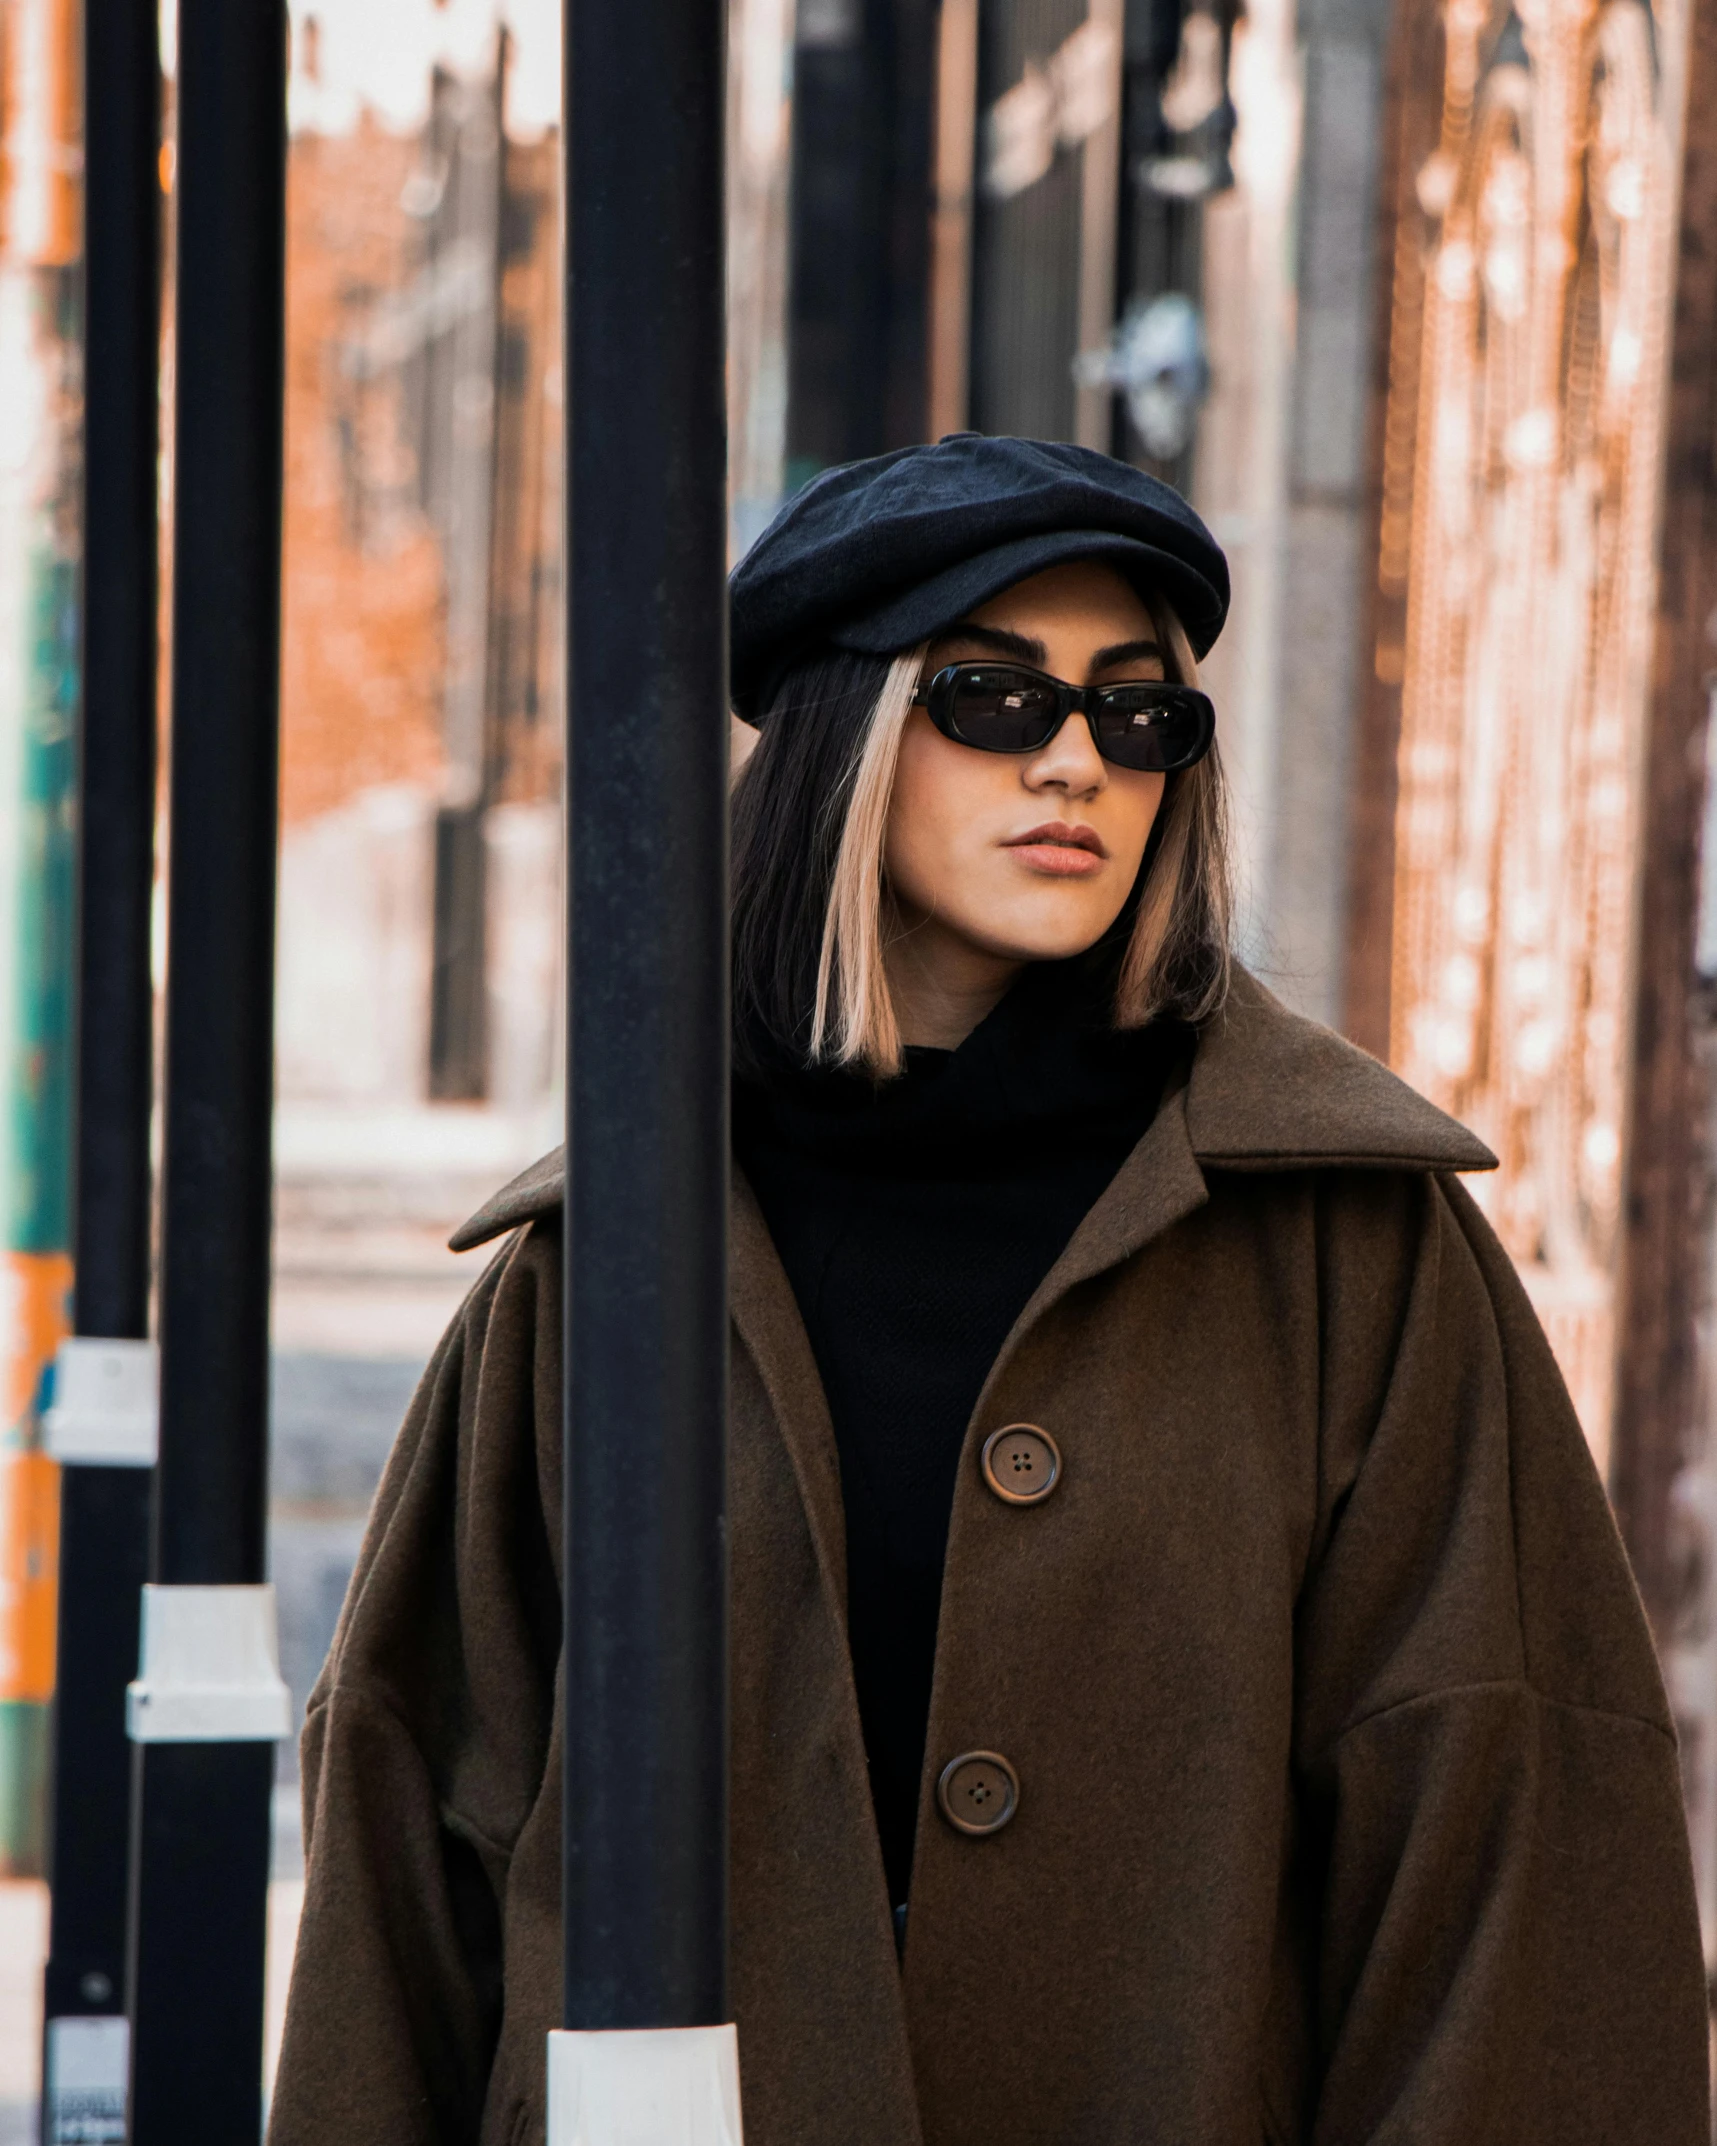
point(38, 704)
point(39, 419)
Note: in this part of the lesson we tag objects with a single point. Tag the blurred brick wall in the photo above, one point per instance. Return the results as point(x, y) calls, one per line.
point(361, 680)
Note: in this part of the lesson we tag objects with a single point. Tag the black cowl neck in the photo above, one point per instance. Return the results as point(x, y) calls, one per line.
point(1047, 1058)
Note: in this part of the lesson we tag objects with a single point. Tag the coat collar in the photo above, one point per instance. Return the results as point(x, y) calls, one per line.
point(1270, 1090)
point(1267, 1091)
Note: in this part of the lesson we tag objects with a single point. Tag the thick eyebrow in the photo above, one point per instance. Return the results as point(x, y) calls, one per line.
point(1017, 645)
point(1025, 650)
point(1125, 652)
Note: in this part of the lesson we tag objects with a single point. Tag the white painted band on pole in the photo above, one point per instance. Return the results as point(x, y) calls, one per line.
point(647, 2086)
point(104, 1412)
point(210, 1669)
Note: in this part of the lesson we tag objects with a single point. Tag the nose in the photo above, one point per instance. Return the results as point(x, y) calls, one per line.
point(1070, 762)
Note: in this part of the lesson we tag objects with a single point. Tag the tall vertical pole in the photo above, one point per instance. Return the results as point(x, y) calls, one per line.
point(954, 155)
point(1100, 182)
point(208, 1700)
point(646, 1310)
point(470, 220)
point(104, 1506)
point(759, 160)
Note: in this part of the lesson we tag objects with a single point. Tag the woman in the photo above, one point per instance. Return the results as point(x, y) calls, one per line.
point(1186, 1683)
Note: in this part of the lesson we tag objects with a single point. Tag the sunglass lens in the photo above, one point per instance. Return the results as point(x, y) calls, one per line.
point(1000, 710)
point(1154, 728)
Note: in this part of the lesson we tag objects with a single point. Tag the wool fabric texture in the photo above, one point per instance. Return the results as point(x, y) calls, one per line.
point(914, 1218)
point(876, 556)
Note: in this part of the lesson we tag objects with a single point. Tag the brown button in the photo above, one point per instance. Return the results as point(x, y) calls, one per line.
point(1021, 1463)
point(978, 1792)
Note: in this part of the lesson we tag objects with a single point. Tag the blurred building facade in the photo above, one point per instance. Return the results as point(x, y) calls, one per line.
point(422, 710)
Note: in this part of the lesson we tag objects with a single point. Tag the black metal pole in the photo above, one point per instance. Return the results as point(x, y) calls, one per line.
point(646, 1312)
point(202, 1813)
point(104, 1511)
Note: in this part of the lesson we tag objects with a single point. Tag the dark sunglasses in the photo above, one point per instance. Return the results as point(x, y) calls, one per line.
point(1152, 726)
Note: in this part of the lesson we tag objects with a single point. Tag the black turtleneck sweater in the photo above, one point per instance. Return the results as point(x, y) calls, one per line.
point(914, 1218)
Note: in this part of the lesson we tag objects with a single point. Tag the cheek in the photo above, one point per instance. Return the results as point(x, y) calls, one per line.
point(941, 816)
point(1134, 801)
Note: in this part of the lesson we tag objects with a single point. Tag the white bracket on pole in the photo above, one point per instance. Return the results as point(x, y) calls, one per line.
point(646, 2086)
point(104, 1411)
point(210, 1669)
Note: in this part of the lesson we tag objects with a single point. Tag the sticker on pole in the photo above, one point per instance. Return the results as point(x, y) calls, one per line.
point(649, 2086)
point(83, 2092)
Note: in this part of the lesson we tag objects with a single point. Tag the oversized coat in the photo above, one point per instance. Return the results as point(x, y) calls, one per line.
point(1349, 1806)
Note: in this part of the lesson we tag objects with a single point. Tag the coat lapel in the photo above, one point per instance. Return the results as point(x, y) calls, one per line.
point(1158, 1185)
point(1266, 1091)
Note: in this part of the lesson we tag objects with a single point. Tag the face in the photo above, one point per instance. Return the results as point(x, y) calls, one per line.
point(1029, 856)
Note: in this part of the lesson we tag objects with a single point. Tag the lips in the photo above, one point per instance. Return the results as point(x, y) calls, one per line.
point(1057, 851)
point(1056, 834)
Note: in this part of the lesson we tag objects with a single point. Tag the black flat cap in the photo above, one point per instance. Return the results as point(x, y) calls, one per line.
point(877, 556)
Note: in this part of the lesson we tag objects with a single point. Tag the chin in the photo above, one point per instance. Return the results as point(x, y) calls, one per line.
point(1041, 939)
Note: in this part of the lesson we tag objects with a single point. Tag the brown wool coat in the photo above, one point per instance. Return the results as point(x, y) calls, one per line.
point(1349, 1801)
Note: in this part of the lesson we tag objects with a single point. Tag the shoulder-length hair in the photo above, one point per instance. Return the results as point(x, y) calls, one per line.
point(810, 902)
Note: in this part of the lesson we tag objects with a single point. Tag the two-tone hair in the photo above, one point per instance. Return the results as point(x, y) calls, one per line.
point(810, 898)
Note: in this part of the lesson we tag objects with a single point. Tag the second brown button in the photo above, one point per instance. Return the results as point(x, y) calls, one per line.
point(1021, 1463)
point(978, 1792)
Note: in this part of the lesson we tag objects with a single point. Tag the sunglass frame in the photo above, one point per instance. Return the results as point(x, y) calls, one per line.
point(938, 696)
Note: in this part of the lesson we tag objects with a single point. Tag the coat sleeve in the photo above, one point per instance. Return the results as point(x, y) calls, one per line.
point(1506, 1944)
point(425, 1745)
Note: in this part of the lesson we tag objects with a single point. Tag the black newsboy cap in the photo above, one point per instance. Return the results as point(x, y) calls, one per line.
point(877, 556)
